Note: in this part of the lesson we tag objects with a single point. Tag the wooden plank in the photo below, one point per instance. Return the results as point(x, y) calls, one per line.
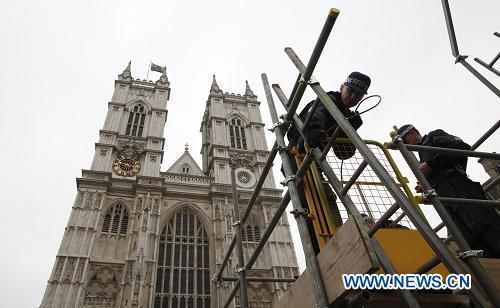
point(345, 254)
point(394, 300)
point(300, 294)
point(492, 267)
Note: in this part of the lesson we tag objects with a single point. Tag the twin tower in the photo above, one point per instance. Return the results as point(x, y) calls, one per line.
point(141, 237)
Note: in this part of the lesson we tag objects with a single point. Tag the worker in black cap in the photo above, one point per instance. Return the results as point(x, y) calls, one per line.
point(322, 124)
point(447, 175)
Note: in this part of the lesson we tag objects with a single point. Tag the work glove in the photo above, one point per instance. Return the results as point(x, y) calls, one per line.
point(315, 137)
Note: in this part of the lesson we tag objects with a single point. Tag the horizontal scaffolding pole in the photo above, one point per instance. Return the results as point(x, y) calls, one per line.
point(456, 202)
point(261, 279)
point(422, 148)
point(489, 66)
point(492, 183)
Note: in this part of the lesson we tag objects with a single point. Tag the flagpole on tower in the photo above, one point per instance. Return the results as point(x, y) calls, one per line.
point(149, 68)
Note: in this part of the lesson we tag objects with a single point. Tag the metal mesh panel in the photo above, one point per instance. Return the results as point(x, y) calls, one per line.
point(368, 193)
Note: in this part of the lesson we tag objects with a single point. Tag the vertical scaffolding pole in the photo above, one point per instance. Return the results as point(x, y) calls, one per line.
point(311, 261)
point(239, 243)
point(301, 84)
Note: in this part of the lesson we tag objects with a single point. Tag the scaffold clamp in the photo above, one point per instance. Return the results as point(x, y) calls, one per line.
point(236, 223)
point(215, 278)
point(429, 194)
point(397, 139)
point(300, 212)
point(278, 124)
point(470, 253)
point(311, 81)
point(288, 179)
point(460, 58)
point(281, 149)
point(240, 269)
point(273, 127)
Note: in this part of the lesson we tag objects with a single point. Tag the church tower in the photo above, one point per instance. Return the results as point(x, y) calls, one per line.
point(233, 131)
point(106, 255)
point(140, 237)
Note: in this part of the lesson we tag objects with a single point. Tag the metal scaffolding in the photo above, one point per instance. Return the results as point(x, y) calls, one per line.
point(462, 59)
point(482, 293)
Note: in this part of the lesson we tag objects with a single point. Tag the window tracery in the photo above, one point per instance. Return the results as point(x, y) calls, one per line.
point(183, 273)
point(251, 233)
point(237, 134)
point(135, 123)
point(116, 220)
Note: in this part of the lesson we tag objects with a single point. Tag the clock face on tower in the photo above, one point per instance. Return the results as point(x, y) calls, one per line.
point(126, 166)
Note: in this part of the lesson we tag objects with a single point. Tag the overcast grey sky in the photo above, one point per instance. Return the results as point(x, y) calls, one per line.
point(59, 59)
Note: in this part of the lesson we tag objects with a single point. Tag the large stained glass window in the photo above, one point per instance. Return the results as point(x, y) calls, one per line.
point(183, 274)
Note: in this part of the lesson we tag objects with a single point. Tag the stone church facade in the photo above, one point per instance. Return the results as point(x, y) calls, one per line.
point(140, 237)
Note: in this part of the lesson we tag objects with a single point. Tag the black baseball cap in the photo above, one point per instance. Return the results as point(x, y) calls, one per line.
point(405, 129)
point(358, 82)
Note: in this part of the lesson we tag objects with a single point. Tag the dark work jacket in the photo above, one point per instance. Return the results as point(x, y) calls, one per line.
point(442, 163)
point(322, 119)
point(479, 225)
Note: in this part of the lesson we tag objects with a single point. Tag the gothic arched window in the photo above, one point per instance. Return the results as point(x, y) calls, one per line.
point(251, 233)
point(237, 134)
point(183, 273)
point(186, 169)
point(135, 123)
point(256, 233)
point(115, 220)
